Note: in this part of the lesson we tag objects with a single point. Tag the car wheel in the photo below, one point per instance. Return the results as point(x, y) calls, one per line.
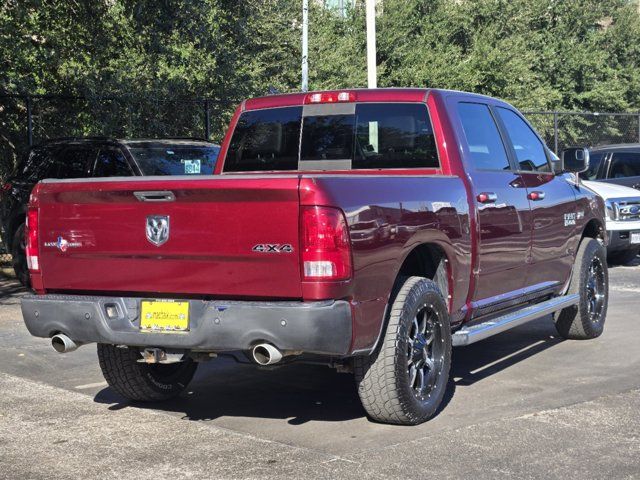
point(143, 382)
point(19, 257)
point(590, 280)
point(404, 382)
point(624, 257)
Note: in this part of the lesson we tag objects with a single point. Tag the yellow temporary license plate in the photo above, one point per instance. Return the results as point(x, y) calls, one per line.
point(164, 316)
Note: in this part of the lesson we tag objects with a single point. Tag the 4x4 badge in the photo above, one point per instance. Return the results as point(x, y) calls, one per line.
point(273, 248)
point(158, 229)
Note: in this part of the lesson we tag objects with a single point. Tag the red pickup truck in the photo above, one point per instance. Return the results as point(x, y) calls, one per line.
point(368, 229)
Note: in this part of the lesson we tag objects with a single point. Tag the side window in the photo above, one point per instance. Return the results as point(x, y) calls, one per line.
point(595, 159)
point(625, 164)
point(74, 162)
point(483, 137)
point(39, 165)
point(111, 163)
point(529, 150)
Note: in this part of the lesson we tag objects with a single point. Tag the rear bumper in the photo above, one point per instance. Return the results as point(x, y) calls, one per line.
point(215, 326)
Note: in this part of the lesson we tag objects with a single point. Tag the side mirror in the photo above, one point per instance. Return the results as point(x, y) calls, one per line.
point(575, 159)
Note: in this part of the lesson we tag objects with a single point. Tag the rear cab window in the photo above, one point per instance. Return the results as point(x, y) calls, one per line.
point(350, 136)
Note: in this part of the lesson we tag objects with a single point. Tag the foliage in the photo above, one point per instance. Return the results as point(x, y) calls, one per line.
point(152, 58)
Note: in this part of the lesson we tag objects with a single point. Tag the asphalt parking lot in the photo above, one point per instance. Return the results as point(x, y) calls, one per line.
point(522, 404)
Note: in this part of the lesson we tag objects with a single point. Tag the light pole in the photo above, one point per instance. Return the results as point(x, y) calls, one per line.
point(372, 79)
point(305, 45)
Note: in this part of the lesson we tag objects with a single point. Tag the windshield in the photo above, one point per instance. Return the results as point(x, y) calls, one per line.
point(175, 159)
point(373, 136)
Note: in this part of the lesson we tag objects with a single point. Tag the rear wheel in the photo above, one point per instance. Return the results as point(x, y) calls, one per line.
point(143, 382)
point(591, 281)
point(19, 257)
point(624, 257)
point(405, 381)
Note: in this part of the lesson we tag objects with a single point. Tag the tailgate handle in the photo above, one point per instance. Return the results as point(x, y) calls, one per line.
point(155, 196)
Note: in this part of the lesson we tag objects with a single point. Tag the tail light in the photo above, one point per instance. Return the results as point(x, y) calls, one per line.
point(5, 187)
point(32, 249)
point(325, 246)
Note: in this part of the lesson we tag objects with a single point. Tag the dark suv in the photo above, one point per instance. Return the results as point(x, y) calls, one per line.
point(92, 157)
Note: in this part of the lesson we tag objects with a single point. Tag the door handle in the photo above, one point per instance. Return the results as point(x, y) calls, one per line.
point(155, 196)
point(487, 197)
point(535, 196)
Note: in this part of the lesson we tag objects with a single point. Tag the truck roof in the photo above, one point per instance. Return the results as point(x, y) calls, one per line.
point(392, 94)
point(617, 146)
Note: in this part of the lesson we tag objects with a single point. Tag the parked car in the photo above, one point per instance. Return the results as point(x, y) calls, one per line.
point(92, 157)
point(260, 258)
point(622, 220)
point(618, 164)
point(614, 174)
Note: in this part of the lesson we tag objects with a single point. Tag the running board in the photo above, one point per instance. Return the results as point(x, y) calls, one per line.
point(480, 331)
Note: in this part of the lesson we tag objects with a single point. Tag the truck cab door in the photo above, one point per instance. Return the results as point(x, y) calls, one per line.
point(554, 215)
point(503, 209)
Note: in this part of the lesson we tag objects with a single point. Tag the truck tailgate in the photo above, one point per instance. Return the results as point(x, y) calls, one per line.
point(94, 236)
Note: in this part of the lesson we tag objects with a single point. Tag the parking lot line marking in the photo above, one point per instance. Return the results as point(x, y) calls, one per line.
point(522, 350)
point(91, 385)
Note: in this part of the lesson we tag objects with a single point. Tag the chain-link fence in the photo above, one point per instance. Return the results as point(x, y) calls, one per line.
point(30, 119)
point(588, 129)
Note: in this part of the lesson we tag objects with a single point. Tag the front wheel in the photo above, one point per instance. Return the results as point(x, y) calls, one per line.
point(404, 382)
point(590, 280)
point(143, 382)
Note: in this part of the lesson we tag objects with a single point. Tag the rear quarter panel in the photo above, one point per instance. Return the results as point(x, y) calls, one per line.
point(388, 217)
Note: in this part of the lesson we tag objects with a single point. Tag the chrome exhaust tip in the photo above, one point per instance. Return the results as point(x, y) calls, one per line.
point(63, 344)
point(266, 354)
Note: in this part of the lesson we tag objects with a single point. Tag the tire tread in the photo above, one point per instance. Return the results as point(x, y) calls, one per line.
point(377, 381)
point(127, 376)
point(573, 322)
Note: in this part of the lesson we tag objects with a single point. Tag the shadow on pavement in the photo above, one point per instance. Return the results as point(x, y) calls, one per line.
point(10, 290)
point(301, 393)
point(633, 263)
point(483, 359)
point(296, 392)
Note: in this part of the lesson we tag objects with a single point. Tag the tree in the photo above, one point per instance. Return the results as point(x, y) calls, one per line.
point(156, 60)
